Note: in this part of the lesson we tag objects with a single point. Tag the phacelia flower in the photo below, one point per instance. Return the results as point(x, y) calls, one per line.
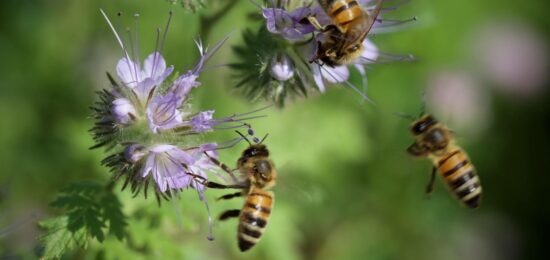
point(145, 120)
point(143, 80)
point(123, 111)
point(166, 163)
point(278, 61)
point(290, 25)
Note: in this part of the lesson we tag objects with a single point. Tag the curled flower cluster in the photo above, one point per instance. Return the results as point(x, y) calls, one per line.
point(151, 127)
point(275, 61)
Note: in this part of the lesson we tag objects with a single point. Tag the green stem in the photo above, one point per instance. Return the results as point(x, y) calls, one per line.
point(207, 22)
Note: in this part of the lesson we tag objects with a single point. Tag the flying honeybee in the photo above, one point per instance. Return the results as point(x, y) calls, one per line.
point(343, 38)
point(436, 141)
point(259, 175)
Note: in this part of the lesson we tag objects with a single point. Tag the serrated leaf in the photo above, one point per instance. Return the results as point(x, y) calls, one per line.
point(58, 239)
point(94, 224)
point(90, 209)
point(112, 213)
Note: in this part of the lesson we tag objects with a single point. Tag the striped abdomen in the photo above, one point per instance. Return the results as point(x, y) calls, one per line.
point(461, 178)
point(344, 12)
point(253, 218)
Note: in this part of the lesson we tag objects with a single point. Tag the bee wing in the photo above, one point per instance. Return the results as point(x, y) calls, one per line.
point(294, 185)
point(383, 57)
point(417, 150)
point(371, 17)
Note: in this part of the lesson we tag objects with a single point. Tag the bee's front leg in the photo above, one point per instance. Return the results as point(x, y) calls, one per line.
point(313, 21)
point(215, 185)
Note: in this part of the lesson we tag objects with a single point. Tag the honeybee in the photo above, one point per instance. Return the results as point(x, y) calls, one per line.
point(343, 39)
point(436, 141)
point(259, 177)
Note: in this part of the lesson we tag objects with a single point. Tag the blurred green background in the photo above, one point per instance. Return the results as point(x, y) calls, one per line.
point(347, 188)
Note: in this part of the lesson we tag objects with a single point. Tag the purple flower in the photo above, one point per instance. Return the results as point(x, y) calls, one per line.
point(135, 152)
point(170, 167)
point(185, 83)
point(288, 25)
point(123, 111)
point(167, 111)
point(141, 123)
point(203, 164)
point(143, 80)
point(163, 112)
point(203, 121)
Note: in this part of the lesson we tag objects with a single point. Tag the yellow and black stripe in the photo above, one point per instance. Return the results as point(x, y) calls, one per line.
point(344, 12)
point(461, 178)
point(253, 218)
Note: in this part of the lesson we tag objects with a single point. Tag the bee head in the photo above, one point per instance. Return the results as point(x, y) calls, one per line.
point(423, 124)
point(255, 150)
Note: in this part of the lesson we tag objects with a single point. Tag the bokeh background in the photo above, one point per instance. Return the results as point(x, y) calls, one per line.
point(347, 188)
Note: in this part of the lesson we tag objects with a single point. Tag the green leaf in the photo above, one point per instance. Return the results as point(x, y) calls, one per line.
point(90, 208)
point(58, 238)
point(112, 213)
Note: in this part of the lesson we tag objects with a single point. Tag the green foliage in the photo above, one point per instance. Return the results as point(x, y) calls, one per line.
point(192, 5)
point(90, 211)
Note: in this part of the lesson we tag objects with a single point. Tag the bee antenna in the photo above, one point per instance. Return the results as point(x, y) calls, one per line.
point(244, 137)
point(263, 139)
point(405, 116)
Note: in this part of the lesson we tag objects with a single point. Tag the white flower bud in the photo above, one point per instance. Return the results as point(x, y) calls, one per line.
point(281, 68)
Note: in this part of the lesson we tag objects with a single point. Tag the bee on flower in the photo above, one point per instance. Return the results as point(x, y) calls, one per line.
point(306, 45)
point(148, 125)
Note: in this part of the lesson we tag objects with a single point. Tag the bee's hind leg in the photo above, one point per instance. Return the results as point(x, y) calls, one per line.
point(430, 187)
point(232, 213)
point(230, 196)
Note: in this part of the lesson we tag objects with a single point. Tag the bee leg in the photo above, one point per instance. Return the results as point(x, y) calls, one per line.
point(215, 185)
point(313, 21)
point(230, 196)
point(232, 213)
point(430, 187)
point(223, 166)
point(332, 27)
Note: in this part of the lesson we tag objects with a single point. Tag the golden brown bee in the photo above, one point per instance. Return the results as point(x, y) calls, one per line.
point(436, 141)
point(343, 39)
point(259, 175)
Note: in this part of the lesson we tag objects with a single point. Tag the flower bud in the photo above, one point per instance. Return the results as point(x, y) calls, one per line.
point(123, 110)
point(134, 152)
point(281, 68)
